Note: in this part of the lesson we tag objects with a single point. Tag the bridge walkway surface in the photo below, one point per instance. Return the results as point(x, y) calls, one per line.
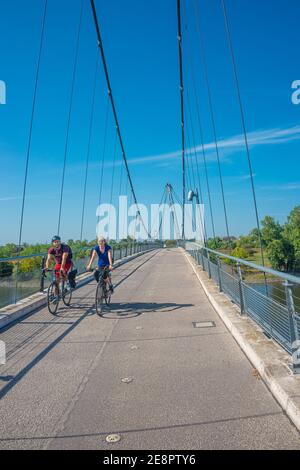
point(187, 387)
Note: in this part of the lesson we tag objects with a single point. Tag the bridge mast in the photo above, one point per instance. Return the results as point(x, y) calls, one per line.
point(182, 112)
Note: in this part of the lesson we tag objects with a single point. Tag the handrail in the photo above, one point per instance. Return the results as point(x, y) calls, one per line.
point(38, 255)
point(288, 277)
point(41, 255)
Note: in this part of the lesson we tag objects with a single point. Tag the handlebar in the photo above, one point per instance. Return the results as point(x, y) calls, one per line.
point(105, 268)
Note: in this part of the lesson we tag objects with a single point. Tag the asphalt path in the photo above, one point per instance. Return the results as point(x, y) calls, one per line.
point(149, 371)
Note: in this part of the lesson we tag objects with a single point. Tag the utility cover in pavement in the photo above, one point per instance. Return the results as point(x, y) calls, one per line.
point(127, 380)
point(113, 438)
point(203, 324)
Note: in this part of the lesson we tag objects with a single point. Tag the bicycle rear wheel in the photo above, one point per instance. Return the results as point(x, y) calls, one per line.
point(52, 298)
point(99, 299)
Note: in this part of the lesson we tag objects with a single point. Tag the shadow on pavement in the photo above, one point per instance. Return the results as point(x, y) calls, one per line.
point(129, 310)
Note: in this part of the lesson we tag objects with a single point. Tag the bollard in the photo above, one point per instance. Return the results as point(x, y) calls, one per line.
point(295, 366)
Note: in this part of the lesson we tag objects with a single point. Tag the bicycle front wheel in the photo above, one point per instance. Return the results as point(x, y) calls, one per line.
point(99, 299)
point(108, 297)
point(52, 298)
point(66, 295)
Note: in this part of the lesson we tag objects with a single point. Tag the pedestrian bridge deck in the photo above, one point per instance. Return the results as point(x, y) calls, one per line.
point(188, 388)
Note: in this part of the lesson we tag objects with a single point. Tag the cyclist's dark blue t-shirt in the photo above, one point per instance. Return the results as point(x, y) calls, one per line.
point(102, 257)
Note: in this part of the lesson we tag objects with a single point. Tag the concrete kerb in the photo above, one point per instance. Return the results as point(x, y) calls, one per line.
point(11, 313)
point(270, 360)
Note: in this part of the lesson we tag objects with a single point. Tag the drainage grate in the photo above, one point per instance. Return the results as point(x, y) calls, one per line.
point(203, 324)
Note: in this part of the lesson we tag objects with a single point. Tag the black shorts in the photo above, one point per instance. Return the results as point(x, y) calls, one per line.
point(98, 272)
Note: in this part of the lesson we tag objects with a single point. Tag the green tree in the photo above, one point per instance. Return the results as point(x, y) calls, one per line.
point(254, 238)
point(292, 233)
point(170, 243)
point(8, 251)
point(6, 269)
point(271, 230)
point(214, 243)
point(240, 252)
point(281, 254)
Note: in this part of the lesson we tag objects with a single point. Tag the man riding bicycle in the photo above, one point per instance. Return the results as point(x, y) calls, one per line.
point(105, 261)
point(63, 258)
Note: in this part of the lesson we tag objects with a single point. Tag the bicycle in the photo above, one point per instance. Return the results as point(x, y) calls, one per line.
point(103, 293)
point(58, 290)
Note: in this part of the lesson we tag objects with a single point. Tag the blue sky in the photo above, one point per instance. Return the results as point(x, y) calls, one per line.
point(140, 42)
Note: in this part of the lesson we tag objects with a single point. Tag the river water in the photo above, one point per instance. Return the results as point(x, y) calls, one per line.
point(277, 292)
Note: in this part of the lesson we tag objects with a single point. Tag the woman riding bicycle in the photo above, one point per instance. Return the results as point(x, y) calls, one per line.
point(105, 261)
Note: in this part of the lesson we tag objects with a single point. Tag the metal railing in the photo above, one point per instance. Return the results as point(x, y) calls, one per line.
point(21, 277)
point(273, 304)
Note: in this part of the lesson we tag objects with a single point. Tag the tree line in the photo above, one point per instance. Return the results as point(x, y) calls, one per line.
point(281, 243)
point(81, 249)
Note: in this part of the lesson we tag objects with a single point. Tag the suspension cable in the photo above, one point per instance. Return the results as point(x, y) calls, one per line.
point(182, 110)
point(104, 148)
point(113, 175)
point(188, 159)
point(194, 145)
point(120, 193)
point(162, 198)
point(174, 215)
point(101, 50)
point(204, 157)
point(197, 167)
point(89, 148)
point(31, 122)
point(179, 202)
point(197, 15)
point(202, 141)
point(230, 45)
point(69, 117)
point(162, 216)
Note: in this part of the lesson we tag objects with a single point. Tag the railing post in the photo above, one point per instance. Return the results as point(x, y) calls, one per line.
point(209, 271)
point(219, 273)
point(42, 284)
point(16, 283)
point(240, 279)
point(125, 251)
point(202, 259)
point(295, 366)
